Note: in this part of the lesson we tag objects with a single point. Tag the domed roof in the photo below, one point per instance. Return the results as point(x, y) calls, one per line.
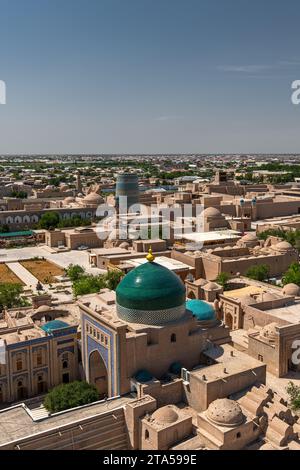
point(124, 245)
point(282, 246)
point(143, 376)
point(69, 199)
point(249, 237)
point(269, 331)
point(150, 294)
point(212, 286)
point(225, 412)
point(202, 310)
point(43, 308)
point(93, 198)
point(165, 415)
point(211, 212)
point(291, 289)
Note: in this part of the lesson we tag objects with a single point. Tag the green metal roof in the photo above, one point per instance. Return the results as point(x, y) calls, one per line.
point(24, 233)
point(150, 287)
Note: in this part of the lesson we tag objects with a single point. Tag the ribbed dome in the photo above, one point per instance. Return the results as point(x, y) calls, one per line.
point(165, 415)
point(225, 412)
point(291, 289)
point(150, 294)
point(202, 310)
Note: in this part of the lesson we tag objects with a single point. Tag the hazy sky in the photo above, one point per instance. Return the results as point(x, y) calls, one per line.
point(101, 76)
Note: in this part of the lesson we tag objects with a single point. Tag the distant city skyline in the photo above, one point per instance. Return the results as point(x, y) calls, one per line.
point(149, 76)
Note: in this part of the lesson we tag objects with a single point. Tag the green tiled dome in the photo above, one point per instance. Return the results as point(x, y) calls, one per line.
point(201, 309)
point(150, 294)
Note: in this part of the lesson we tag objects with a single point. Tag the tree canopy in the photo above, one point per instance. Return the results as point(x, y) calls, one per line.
point(258, 273)
point(292, 275)
point(70, 395)
point(11, 296)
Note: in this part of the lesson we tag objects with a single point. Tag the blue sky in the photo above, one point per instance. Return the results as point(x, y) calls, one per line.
point(149, 76)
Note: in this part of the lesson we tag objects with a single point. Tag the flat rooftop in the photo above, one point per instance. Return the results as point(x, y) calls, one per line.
point(169, 263)
point(216, 235)
point(290, 313)
point(233, 364)
point(16, 423)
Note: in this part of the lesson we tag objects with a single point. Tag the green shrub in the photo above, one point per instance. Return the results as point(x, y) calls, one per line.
point(258, 273)
point(70, 395)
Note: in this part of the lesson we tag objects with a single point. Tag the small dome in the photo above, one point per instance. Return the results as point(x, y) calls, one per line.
point(124, 245)
point(69, 199)
point(175, 368)
point(165, 415)
point(143, 376)
point(291, 289)
point(203, 311)
point(282, 246)
point(249, 237)
point(93, 198)
point(269, 332)
point(211, 212)
point(43, 308)
point(225, 412)
point(212, 286)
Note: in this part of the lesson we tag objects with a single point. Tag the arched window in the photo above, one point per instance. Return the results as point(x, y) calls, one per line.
point(20, 383)
point(173, 338)
point(19, 362)
point(39, 358)
point(146, 434)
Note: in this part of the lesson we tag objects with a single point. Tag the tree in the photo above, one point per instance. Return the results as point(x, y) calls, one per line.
point(11, 296)
point(223, 279)
point(70, 395)
point(74, 272)
point(49, 220)
point(258, 273)
point(88, 284)
point(294, 394)
point(112, 279)
point(292, 275)
point(4, 228)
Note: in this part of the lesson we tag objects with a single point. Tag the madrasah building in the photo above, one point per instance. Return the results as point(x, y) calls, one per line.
point(167, 375)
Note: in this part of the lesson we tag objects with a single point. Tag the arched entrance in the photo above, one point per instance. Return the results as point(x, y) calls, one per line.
point(191, 295)
point(21, 390)
point(98, 373)
point(229, 320)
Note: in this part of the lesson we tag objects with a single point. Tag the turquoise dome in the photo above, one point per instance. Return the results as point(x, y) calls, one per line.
point(143, 376)
point(202, 310)
point(150, 294)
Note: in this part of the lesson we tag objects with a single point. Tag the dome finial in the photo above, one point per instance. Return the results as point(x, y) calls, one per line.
point(150, 256)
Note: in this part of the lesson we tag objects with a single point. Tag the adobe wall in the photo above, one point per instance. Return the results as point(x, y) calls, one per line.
point(200, 393)
point(158, 356)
